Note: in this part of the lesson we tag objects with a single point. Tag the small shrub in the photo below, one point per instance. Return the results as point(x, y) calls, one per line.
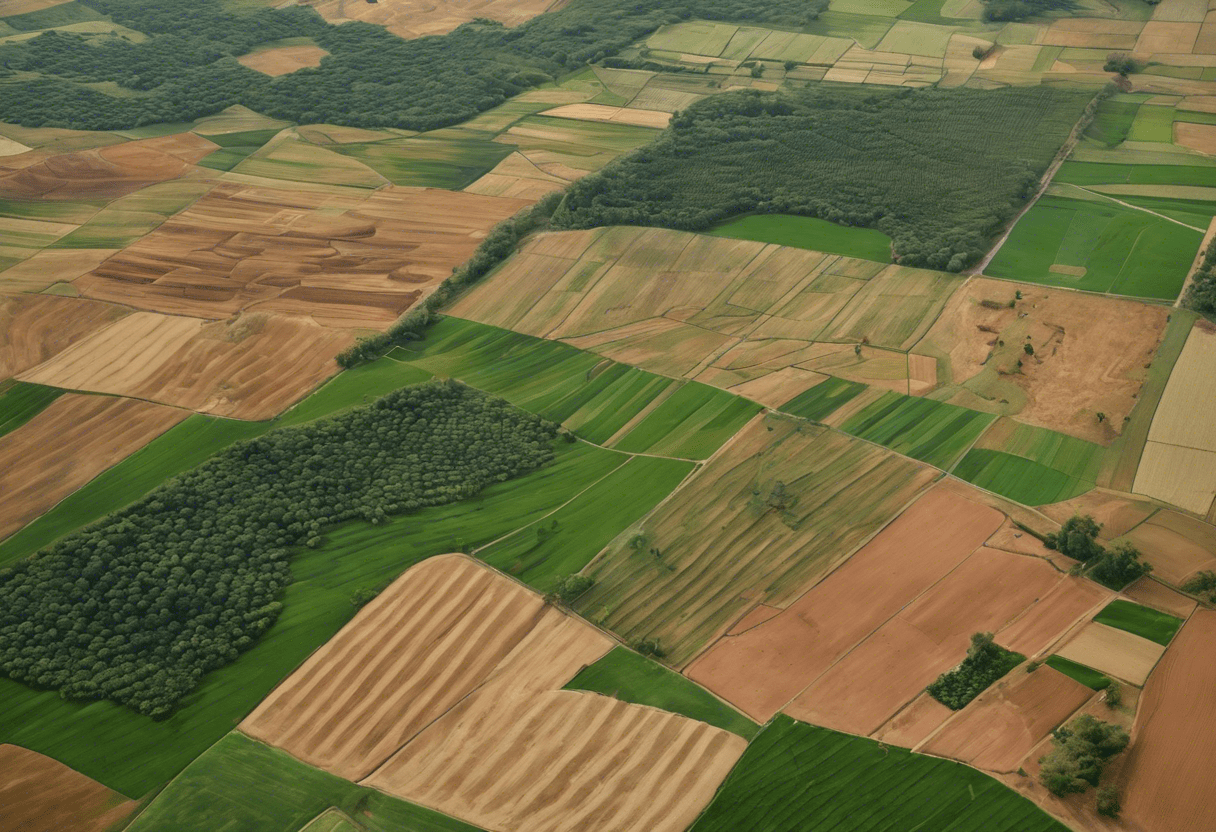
point(362, 597)
point(1108, 802)
point(650, 647)
point(1114, 694)
point(1028, 349)
point(572, 586)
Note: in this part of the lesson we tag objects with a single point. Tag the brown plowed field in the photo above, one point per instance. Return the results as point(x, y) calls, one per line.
point(1053, 615)
point(1170, 768)
point(1176, 545)
point(997, 730)
point(764, 668)
point(251, 368)
point(43, 795)
point(110, 172)
point(344, 260)
point(1090, 354)
point(33, 328)
point(931, 635)
point(1115, 513)
point(73, 440)
point(1154, 594)
point(909, 727)
point(415, 18)
point(1115, 652)
point(445, 691)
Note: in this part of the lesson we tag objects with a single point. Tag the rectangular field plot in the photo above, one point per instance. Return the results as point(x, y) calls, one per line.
point(1114, 652)
point(692, 423)
point(1141, 621)
point(823, 399)
point(697, 38)
point(923, 429)
point(1031, 465)
point(793, 771)
point(1100, 246)
point(429, 162)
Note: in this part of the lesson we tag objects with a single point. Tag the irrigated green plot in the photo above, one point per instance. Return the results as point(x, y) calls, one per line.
point(51, 211)
point(20, 402)
point(810, 233)
point(1098, 173)
point(823, 399)
point(795, 777)
point(563, 543)
point(1153, 123)
point(1139, 620)
point(428, 161)
point(241, 784)
point(1122, 250)
point(692, 423)
point(631, 677)
point(931, 431)
point(1021, 480)
point(1079, 672)
point(1113, 122)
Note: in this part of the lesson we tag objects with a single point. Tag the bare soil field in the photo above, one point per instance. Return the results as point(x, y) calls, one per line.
point(33, 328)
point(107, 172)
point(1114, 652)
point(928, 637)
point(73, 440)
point(52, 266)
point(725, 545)
point(1154, 594)
point(1176, 545)
point(1004, 723)
point(343, 260)
point(1169, 768)
point(913, 724)
point(42, 795)
point(252, 367)
point(283, 60)
point(415, 18)
point(445, 691)
point(1090, 355)
point(762, 669)
point(1117, 514)
point(1071, 602)
point(1199, 137)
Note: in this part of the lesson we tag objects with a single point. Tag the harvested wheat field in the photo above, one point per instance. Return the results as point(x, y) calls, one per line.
point(52, 266)
point(773, 512)
point(1114, 652)
point(762, 669)
point(1070, 604)
point(344, 260)
point(415, 18)
point(1003, 724)
point(1199, 137)
point(43, 795)
point(73, 440)
point(33, 328)
point(252, 367)
point(1168, 774)
point(518, 178)
point(615, 115)
point(928, 637)
point(282, 60)
point(109, 172)
point(445, 691)
point(1090, 355)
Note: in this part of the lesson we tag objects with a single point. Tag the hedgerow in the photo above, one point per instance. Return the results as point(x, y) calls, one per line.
point(939, 171)
point(138, 607)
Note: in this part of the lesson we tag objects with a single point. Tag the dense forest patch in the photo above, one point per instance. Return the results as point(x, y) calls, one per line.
point(939, 171)
point(187, 68)
point(138, 607)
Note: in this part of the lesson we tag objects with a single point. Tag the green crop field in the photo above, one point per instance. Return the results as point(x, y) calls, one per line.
point(923, 429)
point(811, 233)
point(351, 388)
point(1153, 123)
point(128, 218)
point(241, 784)
point(134, 754)
point(823, 399)
point(795, 777)
point(1124, 251)
point(1085, 675)
point(20, 402)
point(428, 161)
point(1021, 480)
point(235, 147)
point(1139, 620)
point(565, 542)
point(1113, 122)
point(691, 423)
point(1105, 173)
point(631, 677)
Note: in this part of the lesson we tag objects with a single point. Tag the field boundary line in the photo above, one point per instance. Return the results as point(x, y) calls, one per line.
point(1133, 207)
point(1190, 276)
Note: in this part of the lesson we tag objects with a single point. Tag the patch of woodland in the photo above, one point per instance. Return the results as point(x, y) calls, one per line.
point(940, 171)
point(1079, 753)
point(986, 662)
point(139, 606)
point(1114, 567)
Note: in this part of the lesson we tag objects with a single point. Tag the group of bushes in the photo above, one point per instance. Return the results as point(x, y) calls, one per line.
point(1201, 296)
point(986, 662)
point(852, 155)
point(371, 78)
point(1079, 752)
point(1005, 10)
point(1115, 567)
point(139, 606)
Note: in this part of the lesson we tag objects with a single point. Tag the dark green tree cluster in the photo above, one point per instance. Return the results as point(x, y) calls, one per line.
point(371, 78)
point(1121, 63)
point(1201, 296)
point(1203, 583)
point(1115, 567)
point(1079, 752)
point(138, 607)
point(986, 662)
point(1003, 10)
point(939, 171)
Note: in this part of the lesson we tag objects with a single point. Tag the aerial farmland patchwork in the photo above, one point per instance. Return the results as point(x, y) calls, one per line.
point(604, 415)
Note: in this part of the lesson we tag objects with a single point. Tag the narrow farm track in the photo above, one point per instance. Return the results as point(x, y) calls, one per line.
point(1134, 207)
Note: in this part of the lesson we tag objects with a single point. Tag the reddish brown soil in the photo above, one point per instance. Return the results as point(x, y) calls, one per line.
point(66, 445)
point(1116, 514)
point(997, 730)
point(1045, 622)
point(35, 327)
point(909, 727)
point(1154, 594)
point(1176, 545)
point(39, 794)
point(1169, 771)
point(757, 616)
point(762, 669)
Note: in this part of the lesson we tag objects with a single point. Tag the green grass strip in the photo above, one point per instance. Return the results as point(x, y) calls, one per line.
point(1141, 621)
point(824, 399)
point(1085, 675)
point(631, 677)
point(21, 402)
point(241, 784)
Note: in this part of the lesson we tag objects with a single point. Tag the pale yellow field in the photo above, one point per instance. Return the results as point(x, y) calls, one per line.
point(1184, 477)
point(283, 60)
point(617, 115)
point(1114, 652)
point(52, 266)
point(517, 177)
